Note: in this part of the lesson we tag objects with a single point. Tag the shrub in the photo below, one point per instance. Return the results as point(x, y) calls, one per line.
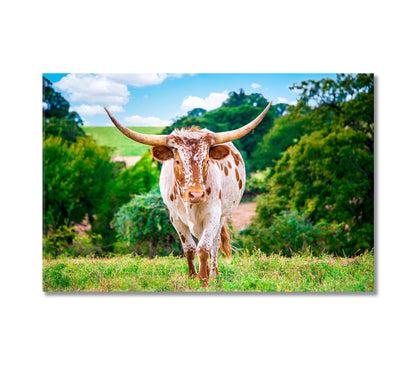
point(292, 233)
point(328, 175)
point(257, 182)
point(143, 226)
point(75, 180)
point(65, 241)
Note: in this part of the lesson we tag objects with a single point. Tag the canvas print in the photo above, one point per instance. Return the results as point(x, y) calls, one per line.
point(208, 183)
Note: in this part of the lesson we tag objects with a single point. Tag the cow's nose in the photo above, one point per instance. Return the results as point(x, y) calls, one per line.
point(196, 196)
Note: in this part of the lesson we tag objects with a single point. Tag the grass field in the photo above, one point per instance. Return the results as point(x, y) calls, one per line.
point(112, 137)
point(252, 273)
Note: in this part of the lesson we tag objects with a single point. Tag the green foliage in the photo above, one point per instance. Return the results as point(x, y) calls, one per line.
point(139, 178)
point(143, 226)
point(346, 101)
point(237, 99)
point(287, 131)
point(292, 233)
point(197, 112)
point(258, 182)
point(248, 272)
point(65, 241)
point(76, 180)
point(63, 128)
point(328, 175)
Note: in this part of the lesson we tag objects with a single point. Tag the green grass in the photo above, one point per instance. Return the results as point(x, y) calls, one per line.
point(112, 137)
point(246, 273)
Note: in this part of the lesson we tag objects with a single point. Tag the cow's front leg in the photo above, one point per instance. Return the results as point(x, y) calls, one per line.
point(203, 274)
point(190, 256)
point(206, 246)
point(188, 244)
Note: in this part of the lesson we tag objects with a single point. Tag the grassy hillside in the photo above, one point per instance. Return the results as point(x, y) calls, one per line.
point(253, 273)
point(112, 137)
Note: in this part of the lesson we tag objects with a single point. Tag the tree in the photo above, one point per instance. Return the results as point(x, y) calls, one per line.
point(197, 112)
point(328, 176)
point(238, 99)
point(348, 100)
point(57, 119)
point(286, 132)
point(76, 180)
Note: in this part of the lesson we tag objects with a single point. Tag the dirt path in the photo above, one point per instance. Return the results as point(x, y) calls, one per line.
point(241, 217)
point(129, 160)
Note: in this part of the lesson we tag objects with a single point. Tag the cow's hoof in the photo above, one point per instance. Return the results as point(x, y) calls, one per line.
point(203, 279)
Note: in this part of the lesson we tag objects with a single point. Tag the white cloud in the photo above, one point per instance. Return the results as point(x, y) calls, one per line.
point(213, 101)
point(94, 89)
point(140, 80)
point(255, 85)
point(283, 100)
point(90, 110)
point(147, 121)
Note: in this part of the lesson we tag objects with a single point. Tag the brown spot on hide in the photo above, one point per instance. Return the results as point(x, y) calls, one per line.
point(171, 197)
point(229, 165)
point(237, 158)
point(237, 176)
point(182, 238)
point(208, 190)
point(219, 195)
point(225, 170)
point(240, 184)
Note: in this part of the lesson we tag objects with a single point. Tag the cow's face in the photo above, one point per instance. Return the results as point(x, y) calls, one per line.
point(191, 152)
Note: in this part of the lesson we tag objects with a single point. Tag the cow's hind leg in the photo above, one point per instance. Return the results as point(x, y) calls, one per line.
point(214, 256)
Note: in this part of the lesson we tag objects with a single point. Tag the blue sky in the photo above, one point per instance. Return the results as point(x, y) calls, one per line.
point(157, 99)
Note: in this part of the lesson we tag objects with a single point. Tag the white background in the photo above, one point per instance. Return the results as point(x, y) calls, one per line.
point(206, 334)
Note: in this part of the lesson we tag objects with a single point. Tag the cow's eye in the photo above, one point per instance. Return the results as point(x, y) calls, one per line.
point(177, 162)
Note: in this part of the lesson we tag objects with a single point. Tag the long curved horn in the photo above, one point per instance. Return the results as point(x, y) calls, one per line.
point(138, 137)
point(228, 136)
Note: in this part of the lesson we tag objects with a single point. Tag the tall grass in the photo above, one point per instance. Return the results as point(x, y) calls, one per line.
point(247, 273)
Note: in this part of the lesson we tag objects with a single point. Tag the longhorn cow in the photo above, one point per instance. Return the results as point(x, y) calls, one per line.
point(202, 181)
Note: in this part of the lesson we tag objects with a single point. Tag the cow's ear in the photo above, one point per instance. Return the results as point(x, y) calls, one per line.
point(219, 152)
point(161, 153)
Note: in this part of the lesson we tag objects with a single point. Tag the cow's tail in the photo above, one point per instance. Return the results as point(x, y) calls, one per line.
point(225, 246)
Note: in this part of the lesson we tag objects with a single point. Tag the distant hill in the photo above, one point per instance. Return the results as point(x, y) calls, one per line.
point(123, 146)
